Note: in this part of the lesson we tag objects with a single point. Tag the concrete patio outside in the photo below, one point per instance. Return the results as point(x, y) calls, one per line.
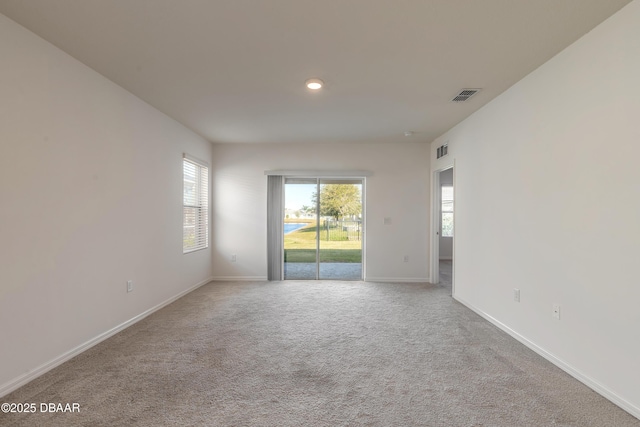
point(328, 270)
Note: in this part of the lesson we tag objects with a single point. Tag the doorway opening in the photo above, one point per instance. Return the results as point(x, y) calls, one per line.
point(323, 229)
point(443, 215)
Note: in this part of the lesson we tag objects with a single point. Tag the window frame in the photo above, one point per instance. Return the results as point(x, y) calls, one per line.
point(443, 211)
point(195, 212)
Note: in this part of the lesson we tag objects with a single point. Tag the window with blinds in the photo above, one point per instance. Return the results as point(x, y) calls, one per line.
point(195, 217)
point(446, 225)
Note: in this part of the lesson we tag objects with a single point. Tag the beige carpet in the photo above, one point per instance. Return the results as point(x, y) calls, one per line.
point(314, 354)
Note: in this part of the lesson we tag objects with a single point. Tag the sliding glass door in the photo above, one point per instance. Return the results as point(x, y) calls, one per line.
point(323, 229)
point(300, 229)
point(340, 235)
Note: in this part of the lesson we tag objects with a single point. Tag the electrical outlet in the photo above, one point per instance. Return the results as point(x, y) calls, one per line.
point(516, 295)
point(406, 258)
point(129, 285)
point(234, 258)
point(556, 311)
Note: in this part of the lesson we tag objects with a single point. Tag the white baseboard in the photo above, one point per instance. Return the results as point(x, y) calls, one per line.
point(239, 278)
point(367, 279)
point(397, 279)
point(580, 376)
point(23, 379)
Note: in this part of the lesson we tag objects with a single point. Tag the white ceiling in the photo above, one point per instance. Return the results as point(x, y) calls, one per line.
point(234, 70)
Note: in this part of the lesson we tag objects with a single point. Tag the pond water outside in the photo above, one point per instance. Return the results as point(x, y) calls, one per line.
point(293, 226)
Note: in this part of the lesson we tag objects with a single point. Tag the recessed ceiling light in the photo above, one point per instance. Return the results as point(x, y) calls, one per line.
point(314, 84)
point(408, 133)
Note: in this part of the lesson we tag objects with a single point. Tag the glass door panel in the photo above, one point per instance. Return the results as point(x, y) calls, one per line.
point(300, 226)
point(340, 233)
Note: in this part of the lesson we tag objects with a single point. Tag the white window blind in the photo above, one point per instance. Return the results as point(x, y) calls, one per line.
point(446, 224)
point(195, 218)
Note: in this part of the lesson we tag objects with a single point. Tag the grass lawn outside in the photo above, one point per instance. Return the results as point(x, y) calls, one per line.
point(300, 246)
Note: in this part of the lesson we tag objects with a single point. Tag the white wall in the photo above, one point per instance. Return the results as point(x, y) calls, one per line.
point(398, 188)
point(446, 248)
point(547, 183)
point(90, 197)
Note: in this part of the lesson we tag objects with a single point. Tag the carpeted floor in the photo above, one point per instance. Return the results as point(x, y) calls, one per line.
point(316, 353)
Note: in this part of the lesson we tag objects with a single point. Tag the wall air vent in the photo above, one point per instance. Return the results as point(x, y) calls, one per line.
point(465, 94)
point(443, 150)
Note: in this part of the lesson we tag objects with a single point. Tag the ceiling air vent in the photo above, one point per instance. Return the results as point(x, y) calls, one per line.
point(465, 94)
